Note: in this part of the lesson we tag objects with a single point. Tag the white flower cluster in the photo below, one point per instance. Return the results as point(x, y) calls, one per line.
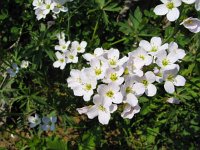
point(123, 80)
point(66, 54)
point(170, 8)
point(192, 24)
point(46, 123)
point(44, 7)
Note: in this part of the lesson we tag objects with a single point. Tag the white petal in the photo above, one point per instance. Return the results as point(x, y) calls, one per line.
point(197, 5)
point(82, 110)
point(104, 117)
point(83, 44)
point(145, 45)
point(156, 41)
point(151, 90)
point(150, 76)
point(177, 3)
point(169, 87)
point(173, 100)
point(56, 64)
point(188, 1)
point(173, 14)
point(118, 98)
point(179, 81)
point(132, 100)
point(92, 112)
point(113, 108)
point(161, 10)
point(139, 88)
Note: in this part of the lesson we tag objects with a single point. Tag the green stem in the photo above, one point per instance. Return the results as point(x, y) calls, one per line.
point(3, 81)
point(116, 42)
point(95, 29)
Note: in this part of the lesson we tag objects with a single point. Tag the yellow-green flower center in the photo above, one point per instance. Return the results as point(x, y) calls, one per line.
point(62, 60)
point(110, 94)
point(88, 87)
point(59, 6)
point(102, 108)
point(71, 56)
point(98, 71)
point(154, 49)
point(126, 72)
point(79, 48)
point(170, 77)
point(145, 82)
point(165, 62)
point(113, 77)
point(112, 62)
point(48, 6)
point(64, 47)
point(170, 5)
point(129, 90)
point(142, 57)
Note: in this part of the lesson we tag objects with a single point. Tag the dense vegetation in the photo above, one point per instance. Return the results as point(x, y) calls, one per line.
point(42, 89)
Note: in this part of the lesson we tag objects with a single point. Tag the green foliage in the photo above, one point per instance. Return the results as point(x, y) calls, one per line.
point(43, 89)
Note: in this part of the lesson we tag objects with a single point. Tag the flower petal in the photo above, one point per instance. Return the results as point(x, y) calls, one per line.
point(179, 81)
point(161, 10)
point(173, 14)
point(169, 87)
point(151, 90)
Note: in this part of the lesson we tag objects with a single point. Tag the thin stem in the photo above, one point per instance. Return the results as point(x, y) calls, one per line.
point(95, 28)
point(18, 39)
point(116, 42)
point(3, 81)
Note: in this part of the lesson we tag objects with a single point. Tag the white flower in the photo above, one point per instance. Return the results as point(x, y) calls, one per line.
point(61, 62)
point(192, 24)
point(175, 51)
point(71, 56)
point(24, 64)
point(141, 58)
point(113, 58)
point(172, 79)
point(88, 84)
point(188, 1)
point(114, 75)
point(130, 87)
point(197, 5)
point(37, 3)
point(101, 110)
point(34, 121)
point(61, 36)
point(154, 46)
point(97, 52)
point(166, 61)
point(39, 14)
point(83, 110)
point(99, 68)
point(75, 78)
point(173, 100)
point(159, 74)
point(59, 6)
point(79, 47)
point(48, 123)
point(47, 6)
point(145, 83)
point(131, 107)
point(168, 7)
point(110, 93)
point(63, 46)
point(130, 68)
